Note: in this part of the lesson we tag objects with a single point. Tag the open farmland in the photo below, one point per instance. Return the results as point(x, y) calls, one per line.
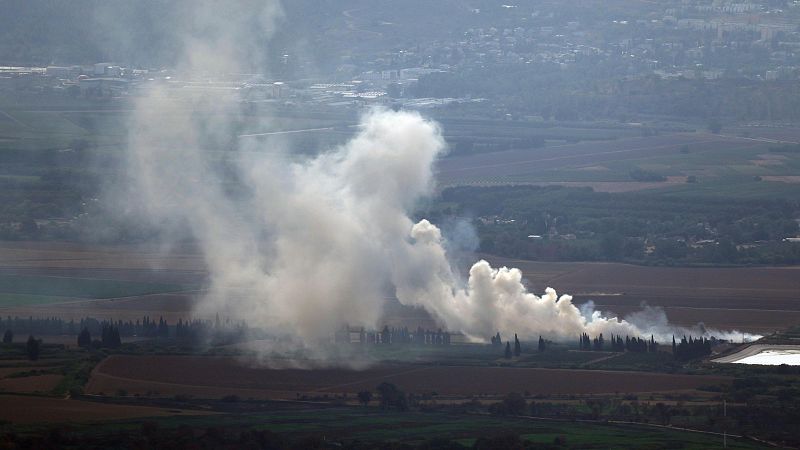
point(29, 410)
point(47, 256)
point(31, 384)
point(412, 428)
point(514, 163)
point(72, 281)
point(776, 134)
point(47, 286)
point(752, 299)
point(715, 161)
point(217, 377)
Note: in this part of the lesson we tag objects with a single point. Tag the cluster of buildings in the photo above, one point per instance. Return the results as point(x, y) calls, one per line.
point(698, 39)
point(685, 38)
point(397, 336)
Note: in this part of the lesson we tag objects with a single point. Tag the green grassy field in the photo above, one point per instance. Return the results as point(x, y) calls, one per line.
point(722, 171)
point(11, 299)
point(29, 290)
point(372, 425)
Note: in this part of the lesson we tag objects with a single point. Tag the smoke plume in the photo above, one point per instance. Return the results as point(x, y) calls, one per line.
point(305, 245)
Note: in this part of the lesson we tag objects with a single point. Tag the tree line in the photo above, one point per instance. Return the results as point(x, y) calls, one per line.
point(617, 344)
point(638, 227)
point(111, 332)
point(691, 348)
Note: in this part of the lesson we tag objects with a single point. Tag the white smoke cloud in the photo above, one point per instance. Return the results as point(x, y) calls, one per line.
point(318, 243)
point(305, 246)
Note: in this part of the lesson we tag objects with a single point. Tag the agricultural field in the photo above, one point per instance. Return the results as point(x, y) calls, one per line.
point(752, 299)
point(606, 166)
point(217, 377)
point(128, 282)
point(97, 261)
point(20, 288)
point(197, 391)
point(21, 410)
point(370, 425)
point(308, 426)
point(73, 281)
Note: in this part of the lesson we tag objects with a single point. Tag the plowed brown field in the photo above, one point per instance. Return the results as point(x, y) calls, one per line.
point(27, 409)
point(217, 376)
point(752, 299)
point(36, 383)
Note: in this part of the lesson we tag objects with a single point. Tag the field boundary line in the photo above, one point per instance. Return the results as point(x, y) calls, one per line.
point(15, 120)
point(416, 369)
point(643, 424)
point(184, 385)
point(568, 157)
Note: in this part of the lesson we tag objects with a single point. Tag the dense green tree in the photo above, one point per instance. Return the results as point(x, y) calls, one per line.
point(33, 348)
point(392, 397)
point(85, 338)
point(364, 397)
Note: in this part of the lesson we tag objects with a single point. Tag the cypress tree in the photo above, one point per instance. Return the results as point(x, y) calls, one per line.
point(32, 347)
point(85, 338)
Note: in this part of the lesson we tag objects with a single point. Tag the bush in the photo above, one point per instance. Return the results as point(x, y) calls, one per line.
point(33, 348)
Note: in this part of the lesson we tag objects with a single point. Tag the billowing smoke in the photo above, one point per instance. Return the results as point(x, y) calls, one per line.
point(303, 246)
point(320, 242)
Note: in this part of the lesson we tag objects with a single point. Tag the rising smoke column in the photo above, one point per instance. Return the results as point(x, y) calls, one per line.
point(318, 243)
point(305, 246)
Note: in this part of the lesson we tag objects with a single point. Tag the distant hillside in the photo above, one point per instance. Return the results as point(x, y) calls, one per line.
point(143, 33)
point(85, 31)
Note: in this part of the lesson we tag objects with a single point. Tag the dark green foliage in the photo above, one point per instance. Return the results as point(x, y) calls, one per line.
point(505, 442)
point(110, 337)
point(646, 175)
point(508, 353)
point(517, 346)
point(617, 344)
point(392, 397)
point(8, 337)
point(85, 338)
point(692, 348)
point(364, 397)
point(640, 227)
point(33, 348)
point(513, 404)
